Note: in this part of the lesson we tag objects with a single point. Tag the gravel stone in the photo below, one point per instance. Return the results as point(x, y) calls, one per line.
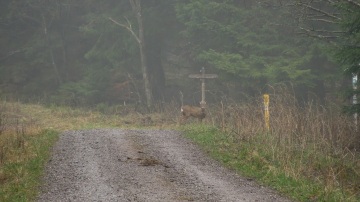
point(141, 165)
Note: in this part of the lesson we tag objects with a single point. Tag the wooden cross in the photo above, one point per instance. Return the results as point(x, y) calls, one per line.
point(202, 77)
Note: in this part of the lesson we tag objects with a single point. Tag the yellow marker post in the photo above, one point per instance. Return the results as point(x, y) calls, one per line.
point(266, 111)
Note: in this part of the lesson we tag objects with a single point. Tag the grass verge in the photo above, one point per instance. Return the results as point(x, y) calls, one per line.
point(28, 131)
point(309, 153)
point(20, 178)
point(253, 159)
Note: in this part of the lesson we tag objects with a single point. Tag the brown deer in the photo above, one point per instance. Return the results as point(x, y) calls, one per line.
point(191, 111)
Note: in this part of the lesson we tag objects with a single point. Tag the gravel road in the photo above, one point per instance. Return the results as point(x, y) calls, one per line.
point(140, 165)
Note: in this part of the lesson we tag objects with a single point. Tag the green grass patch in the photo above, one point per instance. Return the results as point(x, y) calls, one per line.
point(297, 159)
point(270, 167)
point(20, 179)
point(28, 131)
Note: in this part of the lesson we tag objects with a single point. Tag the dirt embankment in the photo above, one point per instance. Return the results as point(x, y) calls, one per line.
point(140, 165)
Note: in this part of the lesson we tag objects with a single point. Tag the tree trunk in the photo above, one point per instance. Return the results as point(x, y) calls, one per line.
point(155, 68)
point(140, 38)
point(49, 46)
point(135, 4)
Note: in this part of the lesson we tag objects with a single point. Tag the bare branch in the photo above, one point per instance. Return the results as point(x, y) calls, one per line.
point(320, 15)
point(128, 27)
point(132, 3)
point(323, 20)
point(320, 11)
point(328, 31)
point(314, 33)
point(353, 3)
point(135, 5)
point(31, 19)
point(11, 53)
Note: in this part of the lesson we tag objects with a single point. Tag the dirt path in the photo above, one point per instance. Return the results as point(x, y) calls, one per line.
point(140, 165)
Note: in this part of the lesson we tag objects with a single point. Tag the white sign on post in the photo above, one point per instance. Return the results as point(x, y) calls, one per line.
point(354, 83)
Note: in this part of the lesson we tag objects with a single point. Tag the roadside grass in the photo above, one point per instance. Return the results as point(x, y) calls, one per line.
point(24, 149)
point(251, 159)
point(310, 153)
point(19, 177)
point(28, 131)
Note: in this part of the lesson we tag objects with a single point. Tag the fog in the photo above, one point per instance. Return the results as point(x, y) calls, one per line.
point(82, 53)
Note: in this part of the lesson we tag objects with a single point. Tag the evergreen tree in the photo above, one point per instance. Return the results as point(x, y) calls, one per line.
point(338, 23)
point(349, 53)
point(118, 46)
point(37, 38)
point(255, 42)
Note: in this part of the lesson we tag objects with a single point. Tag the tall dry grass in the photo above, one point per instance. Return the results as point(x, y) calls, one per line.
point(309, 141)
point(24, 149)
point(304, 141)
point(14, 127)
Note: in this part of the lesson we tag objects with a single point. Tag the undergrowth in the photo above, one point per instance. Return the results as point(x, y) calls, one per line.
point(24, 149)
point(28, 131)
point(310, 152)
point(20, 177)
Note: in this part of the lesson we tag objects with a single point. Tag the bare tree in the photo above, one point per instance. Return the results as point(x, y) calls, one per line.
point(50, 48)
point(136, 8)
point(320, 18)
point(42, 14)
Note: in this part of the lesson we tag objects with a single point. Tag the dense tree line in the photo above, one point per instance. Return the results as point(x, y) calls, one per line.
point(88, 52)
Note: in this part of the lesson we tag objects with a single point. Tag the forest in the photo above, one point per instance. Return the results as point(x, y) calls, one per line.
point(87, 52)
point(73, 65)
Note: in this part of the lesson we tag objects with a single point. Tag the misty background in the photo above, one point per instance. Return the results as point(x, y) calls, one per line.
point(87, 52)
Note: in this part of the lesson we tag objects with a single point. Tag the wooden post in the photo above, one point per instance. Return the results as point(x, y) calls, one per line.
point(266, 111)
point(202, 77)
point(203, 102)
